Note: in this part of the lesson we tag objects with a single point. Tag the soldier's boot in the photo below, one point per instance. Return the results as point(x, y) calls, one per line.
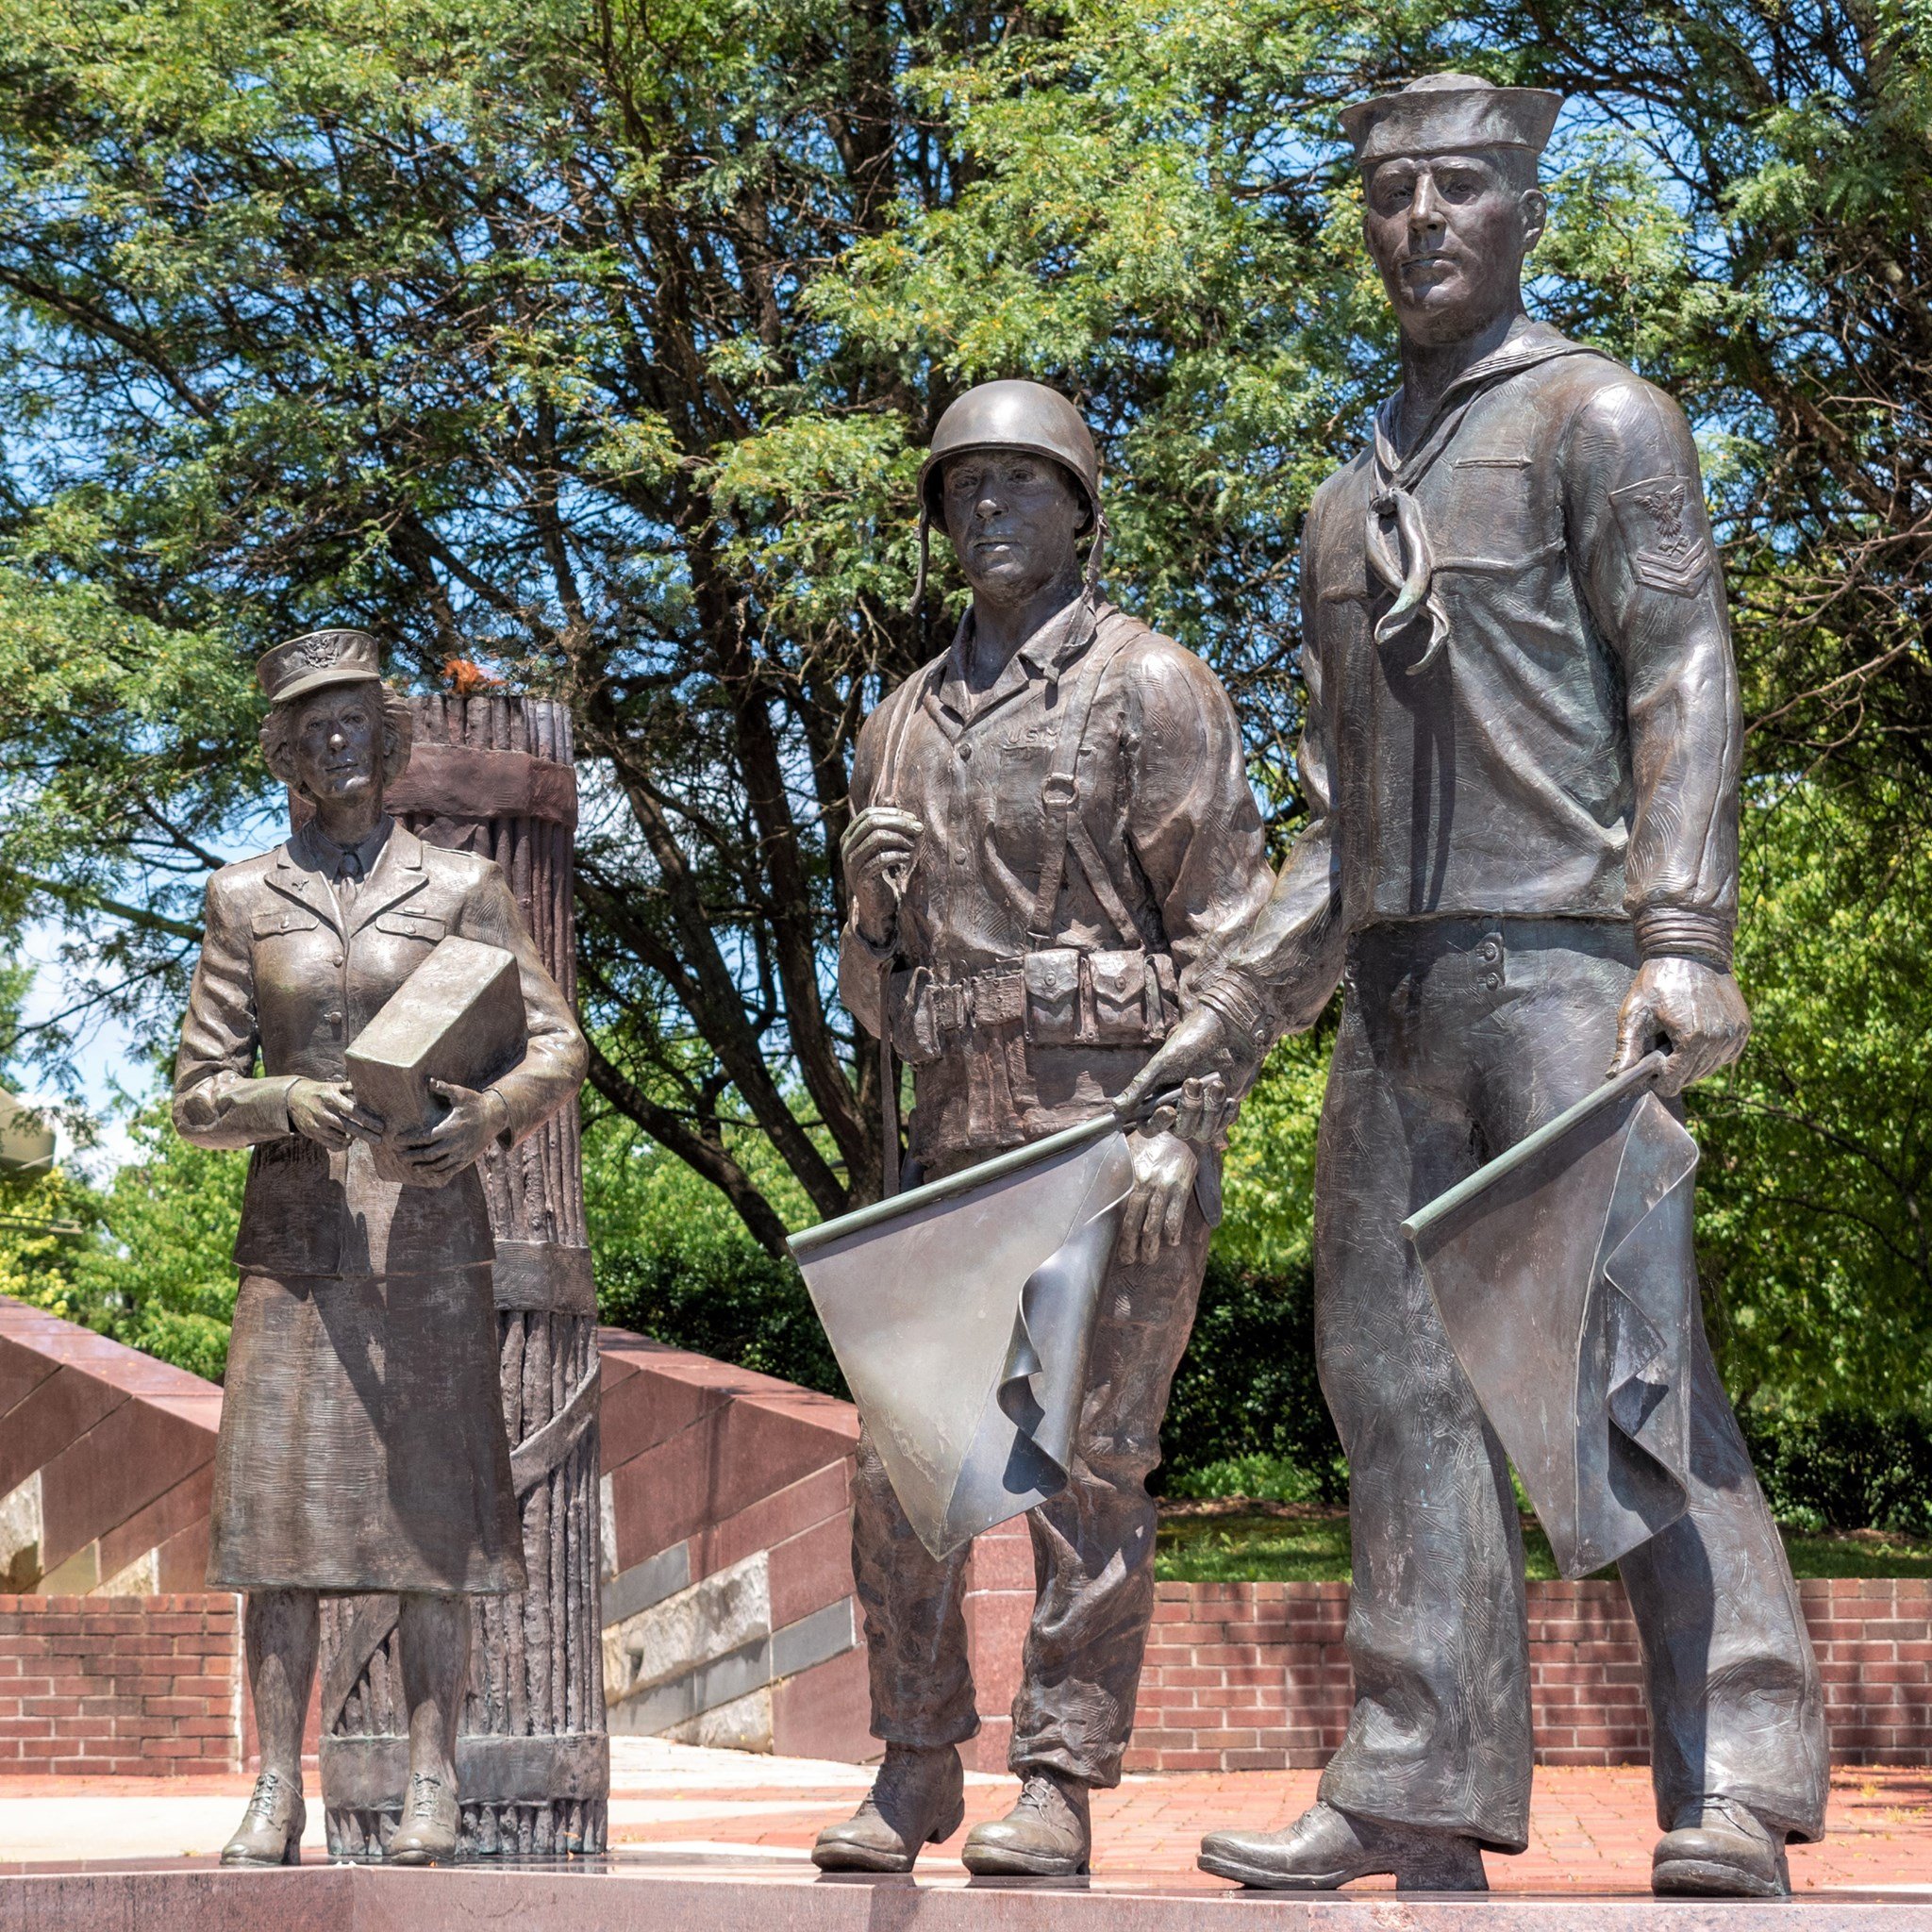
point(270, 1829)
point(1325, 1848)
point(918, 1798)
point(1048, 1833)
point(1718, 1848)
point(427, 1834)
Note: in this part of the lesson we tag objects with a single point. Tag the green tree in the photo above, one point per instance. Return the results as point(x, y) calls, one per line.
point(1816, 1171)
point(597, 342)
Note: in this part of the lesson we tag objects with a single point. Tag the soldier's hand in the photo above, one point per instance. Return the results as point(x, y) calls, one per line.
point(435, 1154)
point(327, 1112)
point(1206, 1067)
point(1164, 1170)
point(877, 851)
point(1694, 1008)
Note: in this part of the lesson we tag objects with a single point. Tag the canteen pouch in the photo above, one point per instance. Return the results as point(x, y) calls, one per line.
point(910, 1016)
point(1052, 996)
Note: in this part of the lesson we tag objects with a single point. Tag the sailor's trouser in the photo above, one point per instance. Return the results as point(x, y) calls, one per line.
point(1457, 1038)
point(1092, 1555)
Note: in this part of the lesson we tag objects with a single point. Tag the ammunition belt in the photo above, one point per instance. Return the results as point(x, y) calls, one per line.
point(1060, 997)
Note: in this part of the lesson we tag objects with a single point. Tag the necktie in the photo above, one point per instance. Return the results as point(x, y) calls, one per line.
point(348, 875)
point(1408, 564)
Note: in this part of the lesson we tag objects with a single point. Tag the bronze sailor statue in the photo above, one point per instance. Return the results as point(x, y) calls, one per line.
point(1522, 763)
point(1052, 834)
point(362, 1444)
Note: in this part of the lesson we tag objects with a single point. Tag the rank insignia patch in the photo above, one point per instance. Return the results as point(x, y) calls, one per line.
point(1665, 533)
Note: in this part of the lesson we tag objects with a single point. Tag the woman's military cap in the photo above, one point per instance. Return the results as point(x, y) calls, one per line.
point(316, 659)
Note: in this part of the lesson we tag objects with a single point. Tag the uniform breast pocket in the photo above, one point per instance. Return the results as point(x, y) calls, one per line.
point(273, 922)
point(1494, 516)
point(425, 926)
point(1341, 563)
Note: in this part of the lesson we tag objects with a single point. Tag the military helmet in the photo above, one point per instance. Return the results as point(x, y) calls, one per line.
point(1012, 415)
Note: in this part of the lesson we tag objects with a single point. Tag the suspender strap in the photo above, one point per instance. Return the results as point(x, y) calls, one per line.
point(1062, 789)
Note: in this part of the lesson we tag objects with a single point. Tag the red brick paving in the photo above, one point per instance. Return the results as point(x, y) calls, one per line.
point(1591, 1828)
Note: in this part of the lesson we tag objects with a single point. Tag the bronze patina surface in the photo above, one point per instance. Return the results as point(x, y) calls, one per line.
point(1521, 761)
point(362, 1444)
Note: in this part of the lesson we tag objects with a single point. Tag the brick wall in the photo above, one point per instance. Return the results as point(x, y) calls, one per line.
point(120, 1686)
point(1253, 1677)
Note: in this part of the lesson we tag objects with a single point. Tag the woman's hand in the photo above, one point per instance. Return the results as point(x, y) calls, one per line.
point(435, 1154)
point(1164, 1170)
point(327, 1112)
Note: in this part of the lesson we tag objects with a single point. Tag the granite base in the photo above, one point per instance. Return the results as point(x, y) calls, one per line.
point(660, 1894)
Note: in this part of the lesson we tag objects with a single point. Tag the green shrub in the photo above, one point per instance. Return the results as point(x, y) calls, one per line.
point(1246, 1403)
point(1845, 1469)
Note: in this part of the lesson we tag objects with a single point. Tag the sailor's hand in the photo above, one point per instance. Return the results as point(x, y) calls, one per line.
point(1206, 1066)
point(435, 1154)
point(1164, 1170)
point(877, 851)
point(327, 1112)
point(1693, 1008)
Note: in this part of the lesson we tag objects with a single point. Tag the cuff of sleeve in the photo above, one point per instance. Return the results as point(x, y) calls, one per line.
point(881, 953)
point(503, 1134)
point(1246, 1015)
point(279, 1101)
point(1668, 932)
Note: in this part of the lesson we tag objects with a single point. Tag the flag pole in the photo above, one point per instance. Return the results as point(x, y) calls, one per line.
point(1641, 1074)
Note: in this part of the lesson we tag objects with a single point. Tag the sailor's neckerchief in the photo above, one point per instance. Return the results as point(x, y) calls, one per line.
point(1407, 565)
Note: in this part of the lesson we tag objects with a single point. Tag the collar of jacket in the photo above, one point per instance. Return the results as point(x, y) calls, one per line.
point(1046, 653)
point(299, 871)
point(1525, 346)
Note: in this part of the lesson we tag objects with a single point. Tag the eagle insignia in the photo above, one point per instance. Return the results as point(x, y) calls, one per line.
point(1665, 534)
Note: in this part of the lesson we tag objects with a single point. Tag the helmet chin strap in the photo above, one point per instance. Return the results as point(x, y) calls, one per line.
point(1090, 582)
point(924, 552)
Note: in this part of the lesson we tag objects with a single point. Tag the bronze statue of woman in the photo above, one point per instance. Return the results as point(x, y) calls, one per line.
point(362, 1445)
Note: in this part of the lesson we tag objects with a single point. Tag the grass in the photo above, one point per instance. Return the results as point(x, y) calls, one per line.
point(1233, 1539)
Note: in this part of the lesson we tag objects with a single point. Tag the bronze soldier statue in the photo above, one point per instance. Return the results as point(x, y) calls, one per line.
point(362, 1444)
point(1053, 832)
point(1521, 761)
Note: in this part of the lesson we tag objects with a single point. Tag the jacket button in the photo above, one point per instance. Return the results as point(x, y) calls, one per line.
point(333, 1019)
point(335, 959)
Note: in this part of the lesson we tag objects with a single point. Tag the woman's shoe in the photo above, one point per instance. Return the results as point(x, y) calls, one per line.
point(427, 1834)
point(272, 1827)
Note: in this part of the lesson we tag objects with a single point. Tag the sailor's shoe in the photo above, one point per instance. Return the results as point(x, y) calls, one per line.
point(1325, 1848)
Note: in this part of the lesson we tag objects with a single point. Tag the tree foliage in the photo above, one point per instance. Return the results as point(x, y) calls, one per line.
point(596, 342)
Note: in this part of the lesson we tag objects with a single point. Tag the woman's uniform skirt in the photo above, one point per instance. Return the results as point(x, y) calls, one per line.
point(362, 1444)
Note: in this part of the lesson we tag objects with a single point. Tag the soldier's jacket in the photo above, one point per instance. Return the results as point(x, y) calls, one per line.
point(1020, 1018)
point(1573, 748)
point(280, 977)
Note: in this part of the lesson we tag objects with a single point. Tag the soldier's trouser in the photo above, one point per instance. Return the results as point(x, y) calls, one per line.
point(1092, 1555)
point(1457, 1038)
